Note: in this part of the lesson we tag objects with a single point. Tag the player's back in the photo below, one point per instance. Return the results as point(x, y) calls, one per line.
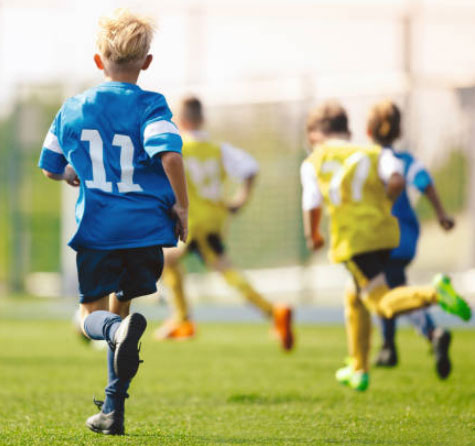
point(205, 175)
point(111, 134)
point(349, 180)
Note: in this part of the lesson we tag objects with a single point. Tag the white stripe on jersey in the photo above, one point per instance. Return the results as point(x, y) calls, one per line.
point(414, 169)
point(158, 128)
point(51, 143)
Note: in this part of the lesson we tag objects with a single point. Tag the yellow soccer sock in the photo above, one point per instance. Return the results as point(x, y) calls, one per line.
point(173, 278)
point(237, 280)
point(406, 298)
point(389, 303)
point(358, 330)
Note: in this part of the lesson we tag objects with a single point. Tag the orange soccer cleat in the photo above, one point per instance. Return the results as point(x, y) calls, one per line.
point(177, 330)
point(283, 325)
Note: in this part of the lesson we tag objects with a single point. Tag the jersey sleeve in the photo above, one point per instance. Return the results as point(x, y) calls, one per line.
point(388, 165)
point(237, 163)
point(311, 196)
point(417, 175)
point(159, 134)
point(52, 158)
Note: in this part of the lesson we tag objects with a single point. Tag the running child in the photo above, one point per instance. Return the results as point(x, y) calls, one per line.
point(358, 185)
point(116, 142)
point(207, 165)
point(384, 127)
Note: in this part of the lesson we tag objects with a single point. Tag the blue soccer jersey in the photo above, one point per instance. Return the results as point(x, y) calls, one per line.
point(111, 135)
point(418, 177)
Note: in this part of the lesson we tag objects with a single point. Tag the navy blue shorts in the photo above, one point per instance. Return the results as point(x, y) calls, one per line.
point(129, 273)
point(395, 272)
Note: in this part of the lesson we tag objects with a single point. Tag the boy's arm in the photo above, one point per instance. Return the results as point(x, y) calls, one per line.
point(172, 163)
point(242, 166)
point(419, 177)
point(242, 195)
point(69, 175)
point(311, 228)
point(161, 138)
point(311, 206)
point(445, 221)
point(391, 173)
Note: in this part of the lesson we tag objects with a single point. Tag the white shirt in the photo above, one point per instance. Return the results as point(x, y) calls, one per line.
point(237, 163)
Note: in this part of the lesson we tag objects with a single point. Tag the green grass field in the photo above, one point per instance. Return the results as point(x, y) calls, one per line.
point(231, 386)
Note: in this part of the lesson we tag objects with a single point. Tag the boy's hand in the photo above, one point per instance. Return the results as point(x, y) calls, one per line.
point(180, 214)
point(70, 176)
point(235, 206)
point(446, 222)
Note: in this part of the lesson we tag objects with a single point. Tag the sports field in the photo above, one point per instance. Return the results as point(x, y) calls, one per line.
point(231, 386)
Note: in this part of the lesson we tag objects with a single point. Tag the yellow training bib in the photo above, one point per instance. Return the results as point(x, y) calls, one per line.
point(205, 176)
point(355, 198)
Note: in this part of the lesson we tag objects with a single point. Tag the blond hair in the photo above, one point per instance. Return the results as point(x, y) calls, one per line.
point(329, 117)
point(124, 37)
point(384, 122)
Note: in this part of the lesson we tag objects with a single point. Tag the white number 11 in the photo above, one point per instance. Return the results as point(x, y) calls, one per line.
point(96, 152)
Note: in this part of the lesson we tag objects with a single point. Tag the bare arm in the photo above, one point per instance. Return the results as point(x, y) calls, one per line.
point(311, 228)
point(242, 195)
point(69, 175)
point(173, 165)
point(395, 186)
point(445, 221)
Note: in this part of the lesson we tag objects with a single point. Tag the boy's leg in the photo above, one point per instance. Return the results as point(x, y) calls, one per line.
point(358, 329)
point(136, 271)
point(116, 390)
point(173, 279)
point(212, 251)
point(179, 326)
point(422, 321)
point(395, 273)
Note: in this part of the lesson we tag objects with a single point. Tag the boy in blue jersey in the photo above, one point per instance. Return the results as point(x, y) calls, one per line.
point(384, 127)
point(118, 144)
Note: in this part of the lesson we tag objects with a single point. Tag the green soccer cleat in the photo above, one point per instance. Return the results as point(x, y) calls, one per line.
point(449, 300)
point(355, 380)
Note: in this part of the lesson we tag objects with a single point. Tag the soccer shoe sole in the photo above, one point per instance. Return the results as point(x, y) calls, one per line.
point(441, 345)
point(98, 430)
point(126, 355)
point(110, 430)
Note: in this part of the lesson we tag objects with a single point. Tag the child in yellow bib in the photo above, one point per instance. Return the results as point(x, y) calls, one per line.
point(207, 166)
point(358, 184)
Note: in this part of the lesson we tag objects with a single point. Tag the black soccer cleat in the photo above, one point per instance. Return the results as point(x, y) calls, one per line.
point(441, 342)
point(111, 423)
point(126, 354)
point(387, 356)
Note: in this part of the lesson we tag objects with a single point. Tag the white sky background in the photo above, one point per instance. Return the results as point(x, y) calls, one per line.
point(348, 45)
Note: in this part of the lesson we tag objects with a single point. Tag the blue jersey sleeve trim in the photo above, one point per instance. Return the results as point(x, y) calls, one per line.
point(165, 142)
point(52, 162)
point(422, 180)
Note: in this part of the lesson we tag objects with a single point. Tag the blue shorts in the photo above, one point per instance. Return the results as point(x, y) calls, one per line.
point(129, 273)
point(395, 272)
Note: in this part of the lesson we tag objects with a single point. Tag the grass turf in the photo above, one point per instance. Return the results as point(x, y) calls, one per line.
point(232, 386)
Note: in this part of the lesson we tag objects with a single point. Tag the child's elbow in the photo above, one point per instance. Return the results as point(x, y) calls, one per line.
point(396, 185)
